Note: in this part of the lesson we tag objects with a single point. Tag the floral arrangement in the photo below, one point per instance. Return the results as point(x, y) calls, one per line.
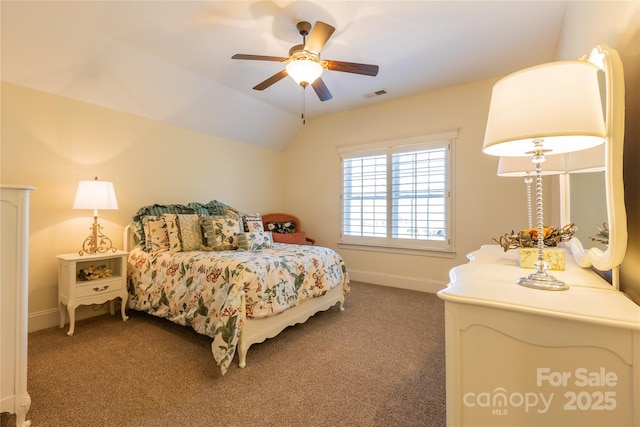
point(93, 273)
point(529, 238)
point(603, 234)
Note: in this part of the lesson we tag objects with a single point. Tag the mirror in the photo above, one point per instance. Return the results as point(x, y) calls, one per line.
point(610, 256)
point(588, 207)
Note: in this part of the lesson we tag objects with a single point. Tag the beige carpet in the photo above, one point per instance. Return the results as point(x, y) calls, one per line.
point(378, 363)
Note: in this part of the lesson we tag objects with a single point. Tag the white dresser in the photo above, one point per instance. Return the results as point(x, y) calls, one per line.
point(527, 357)
point(14, 215)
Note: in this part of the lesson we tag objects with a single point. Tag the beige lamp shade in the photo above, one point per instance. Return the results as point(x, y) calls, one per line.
point(589, 160)
point(523, 166)
point(95, 195)
point(558, 102)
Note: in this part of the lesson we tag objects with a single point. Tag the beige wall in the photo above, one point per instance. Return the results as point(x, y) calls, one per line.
point(485, 206)
point(51, 143)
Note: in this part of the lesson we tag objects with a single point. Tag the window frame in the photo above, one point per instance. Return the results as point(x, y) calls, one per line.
point(388, 243)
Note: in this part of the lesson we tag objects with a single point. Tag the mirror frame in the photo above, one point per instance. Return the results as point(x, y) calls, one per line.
point(607, 60)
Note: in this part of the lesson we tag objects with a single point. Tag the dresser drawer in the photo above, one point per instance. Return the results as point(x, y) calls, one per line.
point(99, 288)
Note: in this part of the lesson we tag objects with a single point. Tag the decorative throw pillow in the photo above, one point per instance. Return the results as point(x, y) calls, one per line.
point(173, 230)
point(156, 236)
point(254, 241)
point(216, 208)
point(286, 227)
point(232, 213)
point(157, 211)
point(252, 222)
point(221, 233)
point(190, 232)
point(198, 208)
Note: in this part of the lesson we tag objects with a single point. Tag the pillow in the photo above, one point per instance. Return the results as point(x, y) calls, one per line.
point(299, 238)
point(158, 211)
point(216, 208)
point(286, 227)
point(156, 236)
point(198, 208)
point(232, 213)
point(190, 231)
point(173, 230)
point(252, 222)
point(255, 240)
point(221, 233)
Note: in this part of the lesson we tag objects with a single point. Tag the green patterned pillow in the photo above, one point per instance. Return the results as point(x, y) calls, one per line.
point(158, 211)
point(199, 208)
point(255, 240)
point(156, 236)
point(190, 232)
point(216, 208)
point(173, 229)
point(221, 233)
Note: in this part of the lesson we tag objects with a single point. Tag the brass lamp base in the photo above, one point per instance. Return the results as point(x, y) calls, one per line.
point(96, 242)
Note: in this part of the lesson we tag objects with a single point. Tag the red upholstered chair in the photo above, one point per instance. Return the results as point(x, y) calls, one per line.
point(279, 221)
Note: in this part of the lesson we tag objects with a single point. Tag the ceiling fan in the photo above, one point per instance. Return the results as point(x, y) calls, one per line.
point(304, 64)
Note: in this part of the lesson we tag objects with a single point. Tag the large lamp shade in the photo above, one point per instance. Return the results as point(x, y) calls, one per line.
point(95, 195)
point(558, 103)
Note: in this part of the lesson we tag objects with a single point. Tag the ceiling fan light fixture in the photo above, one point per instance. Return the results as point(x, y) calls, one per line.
point(304, 71)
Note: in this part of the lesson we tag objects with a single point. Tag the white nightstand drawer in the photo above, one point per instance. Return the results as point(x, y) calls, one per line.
point(98, 287)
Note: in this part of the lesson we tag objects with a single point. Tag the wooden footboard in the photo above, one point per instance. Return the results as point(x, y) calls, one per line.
point(257, 330)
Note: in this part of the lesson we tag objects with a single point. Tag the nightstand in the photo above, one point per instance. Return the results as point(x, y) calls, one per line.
point(75, 290)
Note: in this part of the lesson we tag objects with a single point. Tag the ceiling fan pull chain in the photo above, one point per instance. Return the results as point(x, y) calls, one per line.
point(303, 91)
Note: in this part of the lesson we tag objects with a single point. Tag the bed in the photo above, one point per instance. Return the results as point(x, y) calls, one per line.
point(235, 285)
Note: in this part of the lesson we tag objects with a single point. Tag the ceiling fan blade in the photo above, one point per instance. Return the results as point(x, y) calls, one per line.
point(321, 90)
point(320, 33)
point(271, 80)
point(352, 67)
point(258, 57)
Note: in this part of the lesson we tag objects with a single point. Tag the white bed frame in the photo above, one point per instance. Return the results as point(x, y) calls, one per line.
point(255, 331)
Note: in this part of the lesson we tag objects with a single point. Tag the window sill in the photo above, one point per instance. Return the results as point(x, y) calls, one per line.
point(444, 253)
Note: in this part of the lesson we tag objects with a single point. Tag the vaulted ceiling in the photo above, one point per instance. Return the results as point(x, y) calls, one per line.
point(171, 60)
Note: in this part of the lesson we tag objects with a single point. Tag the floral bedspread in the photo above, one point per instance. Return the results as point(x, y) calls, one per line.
point(203, 289)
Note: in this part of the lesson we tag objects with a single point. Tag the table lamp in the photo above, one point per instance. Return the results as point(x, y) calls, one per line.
point(524, 167)
point(583, 161)
point(552, 108)
point(96, 195)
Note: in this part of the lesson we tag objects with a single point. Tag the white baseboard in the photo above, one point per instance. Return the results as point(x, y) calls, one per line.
point(395, 281)
point(51, 318)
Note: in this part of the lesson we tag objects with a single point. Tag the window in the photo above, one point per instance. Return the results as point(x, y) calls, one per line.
point(397, 194)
